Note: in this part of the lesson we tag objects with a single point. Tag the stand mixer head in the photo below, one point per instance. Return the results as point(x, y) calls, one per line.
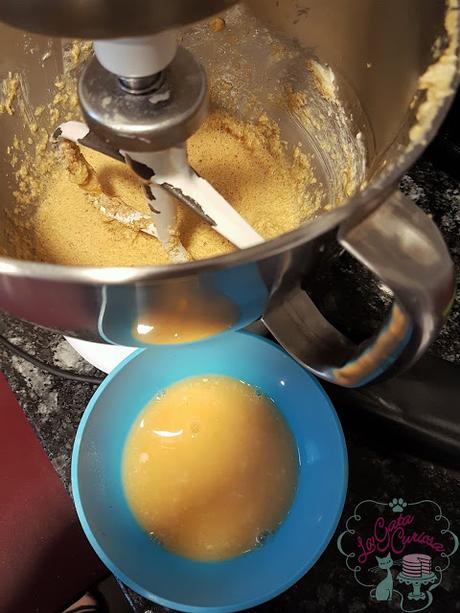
point(99, 19)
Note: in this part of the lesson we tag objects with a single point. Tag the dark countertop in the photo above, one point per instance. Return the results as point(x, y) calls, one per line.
point(381, 466)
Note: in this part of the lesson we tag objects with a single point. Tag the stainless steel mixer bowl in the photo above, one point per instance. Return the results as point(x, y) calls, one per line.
point(378, 51)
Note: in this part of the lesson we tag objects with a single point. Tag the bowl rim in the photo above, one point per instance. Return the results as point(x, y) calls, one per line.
point(270, 593)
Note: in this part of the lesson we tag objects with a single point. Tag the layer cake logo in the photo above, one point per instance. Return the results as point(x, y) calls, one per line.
point(398, 550)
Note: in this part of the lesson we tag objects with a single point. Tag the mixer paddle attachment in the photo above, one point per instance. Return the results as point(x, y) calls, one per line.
point(170, 170)
point(163, 208)
point(145, 97)
point(168, 179)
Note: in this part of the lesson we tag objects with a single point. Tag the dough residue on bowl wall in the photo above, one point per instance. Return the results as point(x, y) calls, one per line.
point(342, 150)
point(437, 82)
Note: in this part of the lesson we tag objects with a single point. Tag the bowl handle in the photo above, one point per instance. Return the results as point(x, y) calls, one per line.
point(402, 246)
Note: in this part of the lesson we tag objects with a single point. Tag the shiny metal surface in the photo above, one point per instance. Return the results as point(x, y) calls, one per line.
point(99, 19)
point(141, 85)
point(393, 241)
point(406, 251)
point(149, 121)
point(380, 47)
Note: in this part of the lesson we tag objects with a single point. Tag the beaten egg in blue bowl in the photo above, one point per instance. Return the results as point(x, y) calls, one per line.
point(286, 554)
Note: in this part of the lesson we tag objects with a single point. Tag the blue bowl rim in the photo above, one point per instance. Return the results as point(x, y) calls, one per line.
point(178, 606)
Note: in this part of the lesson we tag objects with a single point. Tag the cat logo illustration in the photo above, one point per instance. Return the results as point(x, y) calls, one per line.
point(389, 549)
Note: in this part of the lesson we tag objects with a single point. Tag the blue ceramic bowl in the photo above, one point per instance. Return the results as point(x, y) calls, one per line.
point(249, 579)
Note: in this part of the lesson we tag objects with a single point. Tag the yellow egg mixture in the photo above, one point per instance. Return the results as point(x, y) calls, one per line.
point(184, 311)
point(210, 467)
